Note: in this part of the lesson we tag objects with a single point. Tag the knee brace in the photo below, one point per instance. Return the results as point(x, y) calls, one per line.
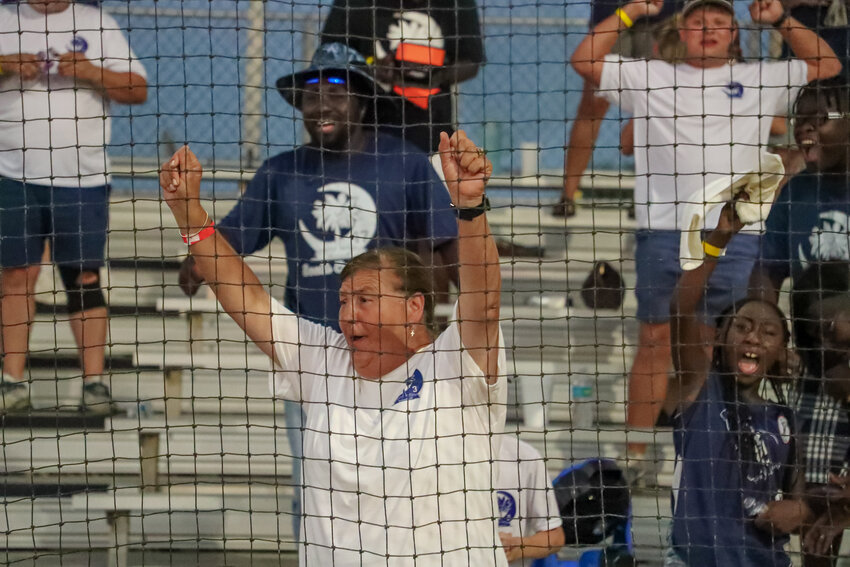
point(81, 296)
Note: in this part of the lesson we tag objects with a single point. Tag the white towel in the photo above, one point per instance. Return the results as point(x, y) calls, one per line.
point(760, 185)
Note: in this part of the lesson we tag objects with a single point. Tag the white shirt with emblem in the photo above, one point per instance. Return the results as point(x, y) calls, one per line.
point(525, 495)
point(396, 471)
point(693, 126)
point(63, 127)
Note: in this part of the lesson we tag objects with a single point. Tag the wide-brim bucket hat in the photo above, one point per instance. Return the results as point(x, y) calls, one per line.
point(334, 60)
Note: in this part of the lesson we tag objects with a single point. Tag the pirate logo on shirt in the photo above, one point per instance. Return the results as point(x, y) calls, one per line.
point(412, 387)
point(507, 508)
point(416, 41)
point(828, 239)
point(344, 222)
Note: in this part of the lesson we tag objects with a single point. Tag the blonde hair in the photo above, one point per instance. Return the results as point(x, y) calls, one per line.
point(668, 45)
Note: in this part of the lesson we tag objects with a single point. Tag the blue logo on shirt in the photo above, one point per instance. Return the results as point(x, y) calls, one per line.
point(79, 44)
point(413, 385)
point(734, 90)
point(507, 508)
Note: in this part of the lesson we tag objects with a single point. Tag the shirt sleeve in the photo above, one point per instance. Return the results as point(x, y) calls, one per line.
point(249, 226)
point(542, 508)
point(429, 206)
point(782, 81)
point(118, 56)
point(622, 80)
point(775, 244)
point(300, 348)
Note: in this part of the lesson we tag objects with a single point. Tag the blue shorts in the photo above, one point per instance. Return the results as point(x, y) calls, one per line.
point(658, 270)
point(74, 219)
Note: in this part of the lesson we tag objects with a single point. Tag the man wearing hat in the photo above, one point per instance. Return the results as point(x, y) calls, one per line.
point(348, 190)
point(701, 120)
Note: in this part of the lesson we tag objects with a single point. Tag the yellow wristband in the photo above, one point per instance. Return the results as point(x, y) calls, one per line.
point(624, 17)
point(712, 251)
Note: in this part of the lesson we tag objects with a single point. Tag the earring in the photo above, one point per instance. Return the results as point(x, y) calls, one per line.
point(412, 331)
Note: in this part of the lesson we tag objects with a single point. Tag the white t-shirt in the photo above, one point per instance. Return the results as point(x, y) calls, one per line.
point(526, 498)
point(693, 126)
point(64, 130)
point(397, 466)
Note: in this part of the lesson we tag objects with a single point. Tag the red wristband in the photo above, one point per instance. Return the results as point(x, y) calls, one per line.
point(202, 234)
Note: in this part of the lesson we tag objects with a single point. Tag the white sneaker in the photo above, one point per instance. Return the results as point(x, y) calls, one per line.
point(97, 399)
point(14, 396)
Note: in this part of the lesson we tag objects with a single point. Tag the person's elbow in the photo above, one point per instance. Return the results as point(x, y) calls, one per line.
point(583, 65)
point(134, 92)
point(824, 68)
point(138, 92)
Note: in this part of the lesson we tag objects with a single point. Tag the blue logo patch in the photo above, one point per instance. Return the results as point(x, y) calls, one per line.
point(734, 90)
point(79, 44)
point(507, 508)
point(412, 387)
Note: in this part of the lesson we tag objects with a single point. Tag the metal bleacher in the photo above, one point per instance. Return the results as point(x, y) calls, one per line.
point(198, 458)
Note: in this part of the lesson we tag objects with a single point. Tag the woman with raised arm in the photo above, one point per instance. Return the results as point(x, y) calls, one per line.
point(737, 488)
point(400, 424)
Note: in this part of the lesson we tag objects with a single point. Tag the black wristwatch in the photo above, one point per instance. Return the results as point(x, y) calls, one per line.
point(469, 213)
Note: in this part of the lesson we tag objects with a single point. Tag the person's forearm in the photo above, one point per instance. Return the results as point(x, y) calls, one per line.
point(479, 274)
point(811, 48)
point(588, 57)
point(235, 286)
point(542, 544)
point(480, 287)
point(692, 283)
point(123, 88)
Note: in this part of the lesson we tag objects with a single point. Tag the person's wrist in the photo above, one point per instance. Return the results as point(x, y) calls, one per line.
point(783, 19)
point(468, 203)
point(472, 209)
point(190, 217)
point(634, 10)
point(718, 238)
point(625, 19)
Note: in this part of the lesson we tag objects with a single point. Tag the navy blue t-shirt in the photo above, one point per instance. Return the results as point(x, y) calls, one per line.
point(808, 223)
point(715, 494)
point(329, 207)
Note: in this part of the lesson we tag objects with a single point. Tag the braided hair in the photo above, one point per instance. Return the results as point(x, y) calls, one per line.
point(739, 418)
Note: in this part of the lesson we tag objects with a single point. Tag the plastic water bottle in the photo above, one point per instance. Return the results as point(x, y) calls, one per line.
point(583, 402)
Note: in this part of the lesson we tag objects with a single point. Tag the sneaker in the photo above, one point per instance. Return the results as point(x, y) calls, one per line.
point(97, 399)
point(14, 396)
point(565, 208)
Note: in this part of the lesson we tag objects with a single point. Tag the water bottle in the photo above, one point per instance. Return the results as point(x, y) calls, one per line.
point(583, 402)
